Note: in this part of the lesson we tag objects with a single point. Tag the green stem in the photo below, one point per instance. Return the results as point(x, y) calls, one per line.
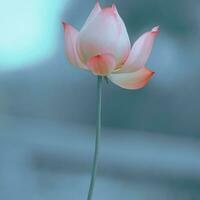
point(98, 132)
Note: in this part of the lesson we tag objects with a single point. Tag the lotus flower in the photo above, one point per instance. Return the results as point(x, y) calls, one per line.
point(103, 47)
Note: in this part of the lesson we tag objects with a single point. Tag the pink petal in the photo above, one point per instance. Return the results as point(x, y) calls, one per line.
point(106, 33)
point(140, 51)
point(96, 10)
point(71, 35)
point(102, 64)
point(132, 80)
point(123, 45)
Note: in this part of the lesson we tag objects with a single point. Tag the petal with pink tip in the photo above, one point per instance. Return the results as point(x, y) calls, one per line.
point(96, 10)
point(132, 80)
point(140, 51)
point(123, 45)
point(101, 64)
point(71, 35)
point(106, 33)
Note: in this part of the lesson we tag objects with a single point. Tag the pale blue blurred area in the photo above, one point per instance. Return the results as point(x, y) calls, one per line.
point(28, 31)
point(150, 139)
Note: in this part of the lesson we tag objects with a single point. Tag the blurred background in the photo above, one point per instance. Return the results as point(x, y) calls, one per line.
point(151, 137)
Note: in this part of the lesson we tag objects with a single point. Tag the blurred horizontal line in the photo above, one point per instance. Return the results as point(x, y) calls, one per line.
point(126, 152)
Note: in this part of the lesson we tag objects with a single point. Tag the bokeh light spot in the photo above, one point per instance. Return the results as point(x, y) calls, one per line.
point(28, 32)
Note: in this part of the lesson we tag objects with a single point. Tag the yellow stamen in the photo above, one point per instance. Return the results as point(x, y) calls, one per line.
point(117, 69)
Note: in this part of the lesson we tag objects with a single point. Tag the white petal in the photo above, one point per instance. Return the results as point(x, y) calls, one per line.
point(71, 35)
point(106, 33)
point(140, 51)
point(132, 80)
point(96, 10)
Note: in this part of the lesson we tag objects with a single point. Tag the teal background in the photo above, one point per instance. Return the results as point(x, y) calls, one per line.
point(150, 139)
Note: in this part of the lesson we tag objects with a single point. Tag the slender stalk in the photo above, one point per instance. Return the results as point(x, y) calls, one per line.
point(98, 132)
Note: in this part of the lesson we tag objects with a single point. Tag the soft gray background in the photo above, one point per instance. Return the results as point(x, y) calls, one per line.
point(150, 140)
